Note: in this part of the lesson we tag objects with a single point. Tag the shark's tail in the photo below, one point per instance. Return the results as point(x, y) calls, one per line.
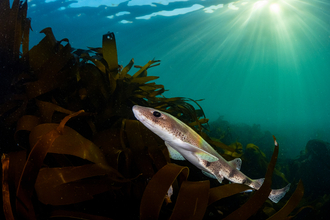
point(277, 194)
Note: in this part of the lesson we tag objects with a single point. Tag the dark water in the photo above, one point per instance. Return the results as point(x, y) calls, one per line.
point(251, 65)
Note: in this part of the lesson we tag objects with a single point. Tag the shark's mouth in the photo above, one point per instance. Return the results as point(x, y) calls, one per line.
point(139, 116)
point(146, 122)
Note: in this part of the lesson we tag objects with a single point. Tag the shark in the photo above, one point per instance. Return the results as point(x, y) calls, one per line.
point(183, 143)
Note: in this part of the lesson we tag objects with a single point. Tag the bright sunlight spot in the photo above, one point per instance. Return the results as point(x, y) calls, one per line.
point(274, 8)
point(259, 4)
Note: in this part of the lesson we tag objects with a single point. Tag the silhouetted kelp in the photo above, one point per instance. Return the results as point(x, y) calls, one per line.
point(74, 149)
point(239, 132)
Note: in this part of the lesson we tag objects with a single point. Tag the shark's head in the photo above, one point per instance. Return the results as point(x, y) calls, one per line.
point(161, 123)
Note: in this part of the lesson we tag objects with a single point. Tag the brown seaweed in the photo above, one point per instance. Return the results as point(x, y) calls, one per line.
point(154, 194)
point(7, 208)
point(32, 166)
point(291, 203)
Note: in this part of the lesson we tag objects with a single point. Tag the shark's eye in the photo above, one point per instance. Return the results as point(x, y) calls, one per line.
point(156, 114)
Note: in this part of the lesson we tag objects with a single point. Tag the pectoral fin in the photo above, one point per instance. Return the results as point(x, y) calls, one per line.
point(205, 156)
point(189, 150)
point(198, 152)
point(174, 154)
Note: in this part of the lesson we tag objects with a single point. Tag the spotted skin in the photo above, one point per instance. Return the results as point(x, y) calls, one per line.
point(196, 150)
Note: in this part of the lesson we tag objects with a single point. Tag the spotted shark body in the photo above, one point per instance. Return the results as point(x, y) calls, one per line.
point(184, 143)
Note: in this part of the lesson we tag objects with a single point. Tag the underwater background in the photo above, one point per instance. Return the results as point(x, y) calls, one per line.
point(254, 62)
point(235, 72)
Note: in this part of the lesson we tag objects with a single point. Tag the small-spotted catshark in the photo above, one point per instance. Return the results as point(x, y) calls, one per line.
point(184, 143)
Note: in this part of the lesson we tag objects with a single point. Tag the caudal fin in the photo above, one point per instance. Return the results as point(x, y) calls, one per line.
point(277, 194)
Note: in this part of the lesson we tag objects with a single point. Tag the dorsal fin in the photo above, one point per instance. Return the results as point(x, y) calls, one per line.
point(236, 163)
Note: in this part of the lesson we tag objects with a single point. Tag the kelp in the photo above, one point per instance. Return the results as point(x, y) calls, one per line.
point(32, 167)
point(14, 31)
point(192, 200)
point(158, 186)
point(7, 209)
point(253, 153)
point(69, 185)
point(238, 150)
point(225, 191)
point(75, 149)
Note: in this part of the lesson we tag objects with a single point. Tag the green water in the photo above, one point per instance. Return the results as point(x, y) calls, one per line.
point(251, 65)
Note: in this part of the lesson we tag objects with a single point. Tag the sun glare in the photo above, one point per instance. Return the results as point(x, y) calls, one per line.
point(259, 4)
point(274, 8)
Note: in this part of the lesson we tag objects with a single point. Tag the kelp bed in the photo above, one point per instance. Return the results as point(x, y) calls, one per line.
point(72, 148)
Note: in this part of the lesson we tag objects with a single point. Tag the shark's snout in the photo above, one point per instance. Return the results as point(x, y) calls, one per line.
point(136, 112)
point(139, 112)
